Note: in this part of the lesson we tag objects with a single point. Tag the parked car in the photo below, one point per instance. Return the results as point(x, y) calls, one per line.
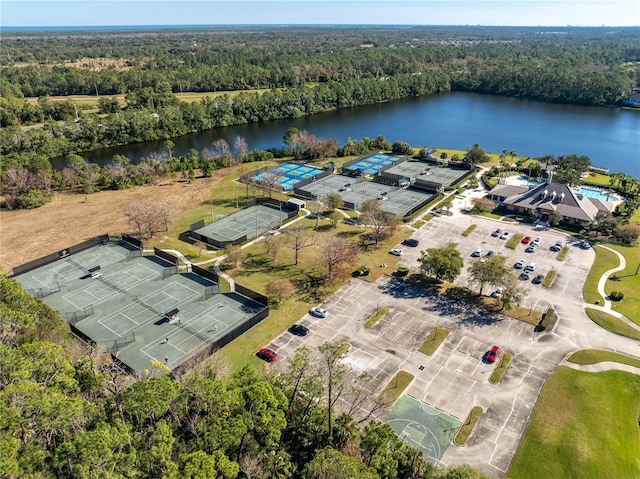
point(318, 312)
point(497, 293)
point(299, 330)
point(505, 235)
point(496, 233)
point(530, 268)
point(477, 253)
point(585, 245)
point(492, 355)
point(396, 252)
point(530, 249)
point(536, 241)
point(267, 354)
point(538, 279)
point(490, 253)
point(525, 276)
point(411, 242)
point(526, 240)
point(520, 264)
point(557, 246)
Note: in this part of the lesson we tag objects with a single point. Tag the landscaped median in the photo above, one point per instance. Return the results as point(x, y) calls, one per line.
point(469, 230)
point(548, 280)
point(377, 316)
point(563, 253)
point(613, 324)
point(468, 426)
point(501, 368)
point(396, 387)
point(595, 356)
point(433, 341)
point(513, 241)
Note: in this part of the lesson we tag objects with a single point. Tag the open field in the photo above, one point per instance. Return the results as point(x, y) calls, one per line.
point(560, 440)
point(72, 218)
point(627, 281)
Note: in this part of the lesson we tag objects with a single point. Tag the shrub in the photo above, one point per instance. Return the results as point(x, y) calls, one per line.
point(616, 296)
point(403, 271)
point(362, 271)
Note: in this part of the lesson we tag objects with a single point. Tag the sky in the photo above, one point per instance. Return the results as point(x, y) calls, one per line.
point(398, 12)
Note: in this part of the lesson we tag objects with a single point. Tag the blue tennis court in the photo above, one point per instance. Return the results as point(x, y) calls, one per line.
point(290, 173)
point(372, 164)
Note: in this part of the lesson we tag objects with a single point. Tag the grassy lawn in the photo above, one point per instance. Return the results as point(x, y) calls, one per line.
point(597, 179)
point(469, 230)
point(396, 386)
point(377, 316)
point(605, 260)
point(594, 356)
point(488, 214)
point(501, 368)
point(420, 223)
point(548, 280)
point(611, 323)
point(627, 282)
point(585, 425)
point(433, 341)
point(514, 241)
point(468, 425)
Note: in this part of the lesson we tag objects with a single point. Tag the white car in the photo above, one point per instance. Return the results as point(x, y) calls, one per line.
point(497, 293)
point(396, 252)
point(318, 312)
point(520, 264)
point(477, 253)
point(558, 246)
point(536, 241)
point(505, 235)
point(530, 268)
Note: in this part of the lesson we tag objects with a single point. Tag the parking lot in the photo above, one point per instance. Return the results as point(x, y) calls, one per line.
point(443, 230)
point(455, 378)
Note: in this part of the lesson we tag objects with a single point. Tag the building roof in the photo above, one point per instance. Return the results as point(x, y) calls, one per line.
point(508, 190)
point(550, 197)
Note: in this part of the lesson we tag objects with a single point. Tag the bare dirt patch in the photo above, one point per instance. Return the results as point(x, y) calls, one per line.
point(72, 218)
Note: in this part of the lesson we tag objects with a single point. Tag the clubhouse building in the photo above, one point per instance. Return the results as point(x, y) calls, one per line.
point(544, 199)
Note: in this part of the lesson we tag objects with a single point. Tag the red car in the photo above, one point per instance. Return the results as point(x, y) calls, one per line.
point(493, 354)
point(526, 240)
point(267, 354)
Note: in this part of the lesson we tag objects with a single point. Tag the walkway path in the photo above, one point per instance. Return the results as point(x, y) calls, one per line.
point(606, 274)
point(603, 366)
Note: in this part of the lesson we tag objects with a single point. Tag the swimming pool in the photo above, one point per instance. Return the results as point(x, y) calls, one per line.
point(522, 181)
point(597, 194)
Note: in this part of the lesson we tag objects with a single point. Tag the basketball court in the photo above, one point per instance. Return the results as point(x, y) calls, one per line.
point(423, 427)
point(138, 307)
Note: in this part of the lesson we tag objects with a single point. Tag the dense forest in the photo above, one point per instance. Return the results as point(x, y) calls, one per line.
point(67, 411)
point(281, 73)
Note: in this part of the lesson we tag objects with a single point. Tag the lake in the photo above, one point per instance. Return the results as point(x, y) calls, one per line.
point(610, 137)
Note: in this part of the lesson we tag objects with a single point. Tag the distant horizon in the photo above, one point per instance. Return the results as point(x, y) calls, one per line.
point(54, 14)
point(17, 28)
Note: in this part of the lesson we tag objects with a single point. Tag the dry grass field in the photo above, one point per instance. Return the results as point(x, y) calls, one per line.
point(71, 218)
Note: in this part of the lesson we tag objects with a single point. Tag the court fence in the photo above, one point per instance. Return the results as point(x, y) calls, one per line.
point(44, 291)
point(50, 258)
point(221, 244)
point(75, 317)
point(166, 272)
point(168, 257)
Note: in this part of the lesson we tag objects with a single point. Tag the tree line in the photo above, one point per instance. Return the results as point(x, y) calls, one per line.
point(68, 412)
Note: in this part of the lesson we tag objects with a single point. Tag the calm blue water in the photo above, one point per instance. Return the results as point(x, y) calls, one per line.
point(610, 137)
point(597, 194)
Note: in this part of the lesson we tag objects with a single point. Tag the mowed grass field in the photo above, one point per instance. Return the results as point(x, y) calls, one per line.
point(89, 103)
point(628, 282)
point(605, 260)
point(585, 425)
